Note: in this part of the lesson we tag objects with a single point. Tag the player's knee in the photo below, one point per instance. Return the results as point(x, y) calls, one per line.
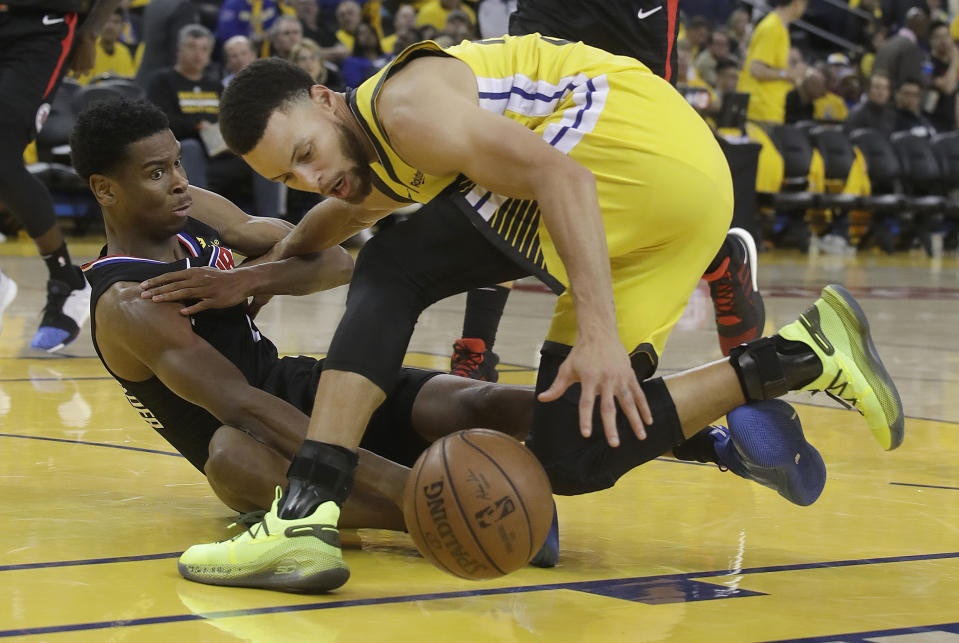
point(224, 464)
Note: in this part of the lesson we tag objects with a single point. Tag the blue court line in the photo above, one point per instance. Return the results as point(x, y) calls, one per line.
point(578, 585)
point(927, 486)
point(91, 444)
point(861, 637)
point(89, 561)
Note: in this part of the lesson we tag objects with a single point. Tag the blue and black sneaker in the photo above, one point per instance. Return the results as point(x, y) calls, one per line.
point(765, 443)
point(548, 555)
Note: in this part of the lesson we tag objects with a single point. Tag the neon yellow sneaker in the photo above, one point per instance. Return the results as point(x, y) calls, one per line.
point(301, 555)
point(836, 329)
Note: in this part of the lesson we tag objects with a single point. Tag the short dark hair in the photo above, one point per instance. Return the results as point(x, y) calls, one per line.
point(254, 94)
point(700, 21)
point(105, 130)
point(910, 81)
point(725, 63)
point(938, 24)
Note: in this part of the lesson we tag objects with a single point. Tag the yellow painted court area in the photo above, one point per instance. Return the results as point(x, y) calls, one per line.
point(96, 506)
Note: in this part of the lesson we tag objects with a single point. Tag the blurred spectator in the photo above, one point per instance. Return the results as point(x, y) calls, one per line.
point(837, 64)
point(939, 104)
point(869, 58)
point(493, 16)
point(367, 57)
point(696, 92)
point(937, 12)
point(850, 89)
point(191, 100)
point(900, 57)
point(874, 111)
point(727, 77)
point(406, 38)
point(435, 12)
point(767, 76)
point(308, 56)
point(250, 18)
point(908, 116)
point(349, 15)
point(162, 23)
point(738, 30)
point(830, 107)
point(698, 32)
point(308, 11)
point(799, 101)
point(459, 27)
point(403, 20)
point(285, 34)
point(237, 53)
point(706, 60)
point(132, 25)
point(112, 55)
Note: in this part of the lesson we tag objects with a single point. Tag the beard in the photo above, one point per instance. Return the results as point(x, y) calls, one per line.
point(360, 174)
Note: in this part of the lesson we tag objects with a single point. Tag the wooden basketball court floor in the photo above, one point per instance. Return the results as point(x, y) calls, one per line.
point(96, 507)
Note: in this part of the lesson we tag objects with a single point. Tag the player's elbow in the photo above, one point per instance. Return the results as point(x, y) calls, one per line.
point(338, 267)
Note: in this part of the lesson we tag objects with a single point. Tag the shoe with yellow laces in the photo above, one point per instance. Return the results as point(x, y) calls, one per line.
point(836, 329)
point(298, 555)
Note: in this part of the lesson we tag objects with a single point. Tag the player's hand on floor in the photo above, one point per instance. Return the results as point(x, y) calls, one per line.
point(602, 368)
point(213, 288)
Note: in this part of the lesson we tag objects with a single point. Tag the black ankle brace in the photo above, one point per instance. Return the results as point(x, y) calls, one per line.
point(770, 367)
point(319, 472)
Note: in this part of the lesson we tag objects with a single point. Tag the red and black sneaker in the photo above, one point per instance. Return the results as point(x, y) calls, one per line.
point(740, 313)
point(472, 359)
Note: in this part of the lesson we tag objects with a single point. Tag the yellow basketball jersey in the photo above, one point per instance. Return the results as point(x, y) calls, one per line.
point(556, 88)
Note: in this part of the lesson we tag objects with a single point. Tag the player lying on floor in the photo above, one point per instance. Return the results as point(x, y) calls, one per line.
point(213, 386)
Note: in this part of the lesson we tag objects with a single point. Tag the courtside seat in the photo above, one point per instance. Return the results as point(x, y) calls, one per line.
point(921, 172)
point(946, 148)
point(838, 156)
point(796, 151)
point(107, 89)
point(884, 172)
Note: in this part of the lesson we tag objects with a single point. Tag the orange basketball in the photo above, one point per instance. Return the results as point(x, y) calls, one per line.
point(478, 504)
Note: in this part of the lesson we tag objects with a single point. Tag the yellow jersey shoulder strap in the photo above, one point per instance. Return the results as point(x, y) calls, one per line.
point(392, 175)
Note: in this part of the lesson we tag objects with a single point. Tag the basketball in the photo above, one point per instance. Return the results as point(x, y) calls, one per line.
point(478, 504)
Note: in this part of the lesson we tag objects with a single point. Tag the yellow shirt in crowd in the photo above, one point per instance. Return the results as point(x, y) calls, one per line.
point(119, 63)
point(830, 107)
point(433, 13)
point(770, 45)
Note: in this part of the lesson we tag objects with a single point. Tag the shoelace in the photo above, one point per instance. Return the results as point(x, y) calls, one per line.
point(725, 296)
point(244, 519)
point(838, 385)
point(465, 360)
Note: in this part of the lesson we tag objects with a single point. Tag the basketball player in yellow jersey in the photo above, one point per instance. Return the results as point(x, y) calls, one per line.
point(554, 159)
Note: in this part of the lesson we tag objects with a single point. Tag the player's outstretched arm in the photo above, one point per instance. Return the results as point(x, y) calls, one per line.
point(263, 276)
point(250, 236)
point(333, 221)
point(431, 114)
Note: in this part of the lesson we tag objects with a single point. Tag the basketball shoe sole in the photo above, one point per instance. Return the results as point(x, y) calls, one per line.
point(300, 555)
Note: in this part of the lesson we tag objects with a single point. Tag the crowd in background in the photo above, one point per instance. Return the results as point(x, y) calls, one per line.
point(898, 71)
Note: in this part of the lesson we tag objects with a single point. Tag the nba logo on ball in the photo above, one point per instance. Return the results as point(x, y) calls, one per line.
point(478, 504)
